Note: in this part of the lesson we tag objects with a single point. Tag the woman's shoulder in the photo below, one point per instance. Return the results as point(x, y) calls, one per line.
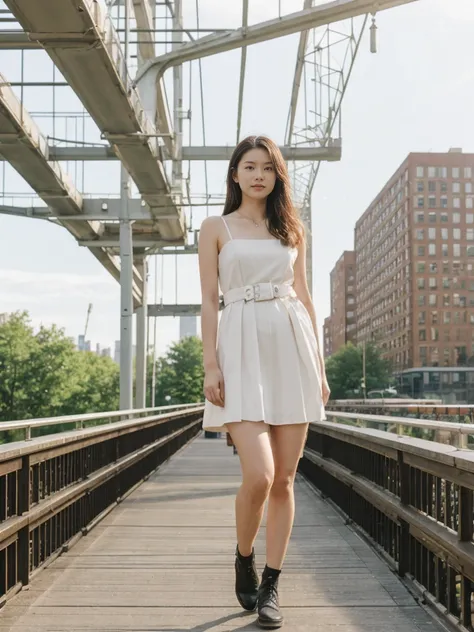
point(211, 224)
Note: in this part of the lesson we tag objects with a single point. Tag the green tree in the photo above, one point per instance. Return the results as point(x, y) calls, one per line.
point(42, 375)
point(180, 373)
point(344, 370)
point(96, 387)
point(17, 343)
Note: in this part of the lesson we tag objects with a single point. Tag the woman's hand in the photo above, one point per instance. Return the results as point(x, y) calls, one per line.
point(326, 391)
point(214, 387)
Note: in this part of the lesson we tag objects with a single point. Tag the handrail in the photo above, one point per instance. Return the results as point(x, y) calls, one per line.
point(413, 499)
point(28, 424)
point(457, 430)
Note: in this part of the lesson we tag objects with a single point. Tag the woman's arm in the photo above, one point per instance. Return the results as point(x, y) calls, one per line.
point(208, 270)
point(301, 288)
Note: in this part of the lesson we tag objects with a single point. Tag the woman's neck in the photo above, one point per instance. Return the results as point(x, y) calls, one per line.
point(255, 209)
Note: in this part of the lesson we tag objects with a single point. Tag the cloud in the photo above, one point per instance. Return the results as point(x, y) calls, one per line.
point(38, 286)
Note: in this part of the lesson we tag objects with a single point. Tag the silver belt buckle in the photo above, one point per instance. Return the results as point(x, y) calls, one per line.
point(265, 291)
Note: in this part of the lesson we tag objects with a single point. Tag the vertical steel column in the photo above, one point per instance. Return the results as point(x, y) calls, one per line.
point(177, 179)
point(142, 351)
point(126, 297)
point(126, 267)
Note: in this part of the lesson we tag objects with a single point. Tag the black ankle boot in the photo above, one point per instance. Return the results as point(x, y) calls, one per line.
point(246, 580)
point(269, 616)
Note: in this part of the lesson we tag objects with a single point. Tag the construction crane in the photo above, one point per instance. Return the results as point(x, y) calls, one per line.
point(89, 310)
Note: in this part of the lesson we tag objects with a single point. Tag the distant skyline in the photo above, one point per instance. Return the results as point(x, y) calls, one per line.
point(415, 94)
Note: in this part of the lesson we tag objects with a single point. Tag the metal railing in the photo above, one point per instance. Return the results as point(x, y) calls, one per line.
point(80, 421)
point(451, 432)
point(54, 489)
point(412, 498)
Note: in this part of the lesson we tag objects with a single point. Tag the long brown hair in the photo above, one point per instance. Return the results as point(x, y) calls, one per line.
point(283, 219)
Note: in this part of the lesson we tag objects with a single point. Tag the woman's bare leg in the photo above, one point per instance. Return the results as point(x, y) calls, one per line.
point(287, 445)
point(252, 440)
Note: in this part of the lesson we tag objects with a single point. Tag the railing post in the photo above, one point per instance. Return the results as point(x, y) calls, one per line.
point(465, 531)
point(404, 544)
point(24, 534)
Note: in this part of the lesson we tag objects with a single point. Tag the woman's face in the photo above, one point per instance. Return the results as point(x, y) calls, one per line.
point(255, 174)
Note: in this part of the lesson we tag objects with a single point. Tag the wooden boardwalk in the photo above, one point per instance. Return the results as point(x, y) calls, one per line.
point(163, 561)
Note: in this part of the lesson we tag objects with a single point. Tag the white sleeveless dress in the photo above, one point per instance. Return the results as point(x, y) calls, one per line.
point(266, 350)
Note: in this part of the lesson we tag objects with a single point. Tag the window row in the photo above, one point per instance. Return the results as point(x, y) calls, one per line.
point(442, 172)
point(448, 335)
point(433, 201)
point(445, 317)
point(443, 217)
point(456, 187)
point(461, 301)
point(456, 250)
point(432, 233)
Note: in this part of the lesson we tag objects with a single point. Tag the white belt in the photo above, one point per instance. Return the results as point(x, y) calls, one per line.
point(259, 292)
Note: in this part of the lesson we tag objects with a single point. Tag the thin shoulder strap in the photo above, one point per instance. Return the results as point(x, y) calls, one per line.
point(227, 228)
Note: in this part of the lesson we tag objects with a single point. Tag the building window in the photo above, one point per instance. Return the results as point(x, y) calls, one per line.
point(435, 335)
point(432, 218)
point(420, 202)
point(470, 234)
point(420, 234)
point(444, 218)
point(432, 201)
point(456, 233)
point(447, 318)
point(420, 172)
point(421, 251)
point(421, 266)
point(446, 300)
point(420, 218)
point(421, 300)
point(421, 284)
point(431, 172)
point(456, 187)
point(468, 172)
point(469, 218)
point(432, 250)
point(433, 300)
point(468, 187)
point(433, 283)
point(444, 233)
point(455, 172)
point(422, 335)
point(444, 250)
point(432, 186)
point(433, 267)
point(434, 317)
point(444, 187)
point(420, 187)
point(431, 233)
point(456, 202)
point(421, 318)
point(456, 218)
point(469, 202)
point(446, 282)
point(444, 201)
point(456, 250)
point(470, 251)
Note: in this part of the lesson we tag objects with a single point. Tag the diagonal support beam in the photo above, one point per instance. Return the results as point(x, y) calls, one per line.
point(26, 149)
point(243, 65)
point(320, 15)
point(297, 77)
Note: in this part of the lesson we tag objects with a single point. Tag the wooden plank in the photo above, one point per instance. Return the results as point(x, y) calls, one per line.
point(163, 560)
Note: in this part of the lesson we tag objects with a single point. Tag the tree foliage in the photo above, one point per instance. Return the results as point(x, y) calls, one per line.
point(344, 371)
point(180, 373)
point(42, 374)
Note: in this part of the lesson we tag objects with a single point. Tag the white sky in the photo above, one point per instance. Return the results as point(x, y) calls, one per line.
point(415, 94)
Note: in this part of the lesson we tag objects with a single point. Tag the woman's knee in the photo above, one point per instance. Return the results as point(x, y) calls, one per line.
point(258, 485)
point(282, 485)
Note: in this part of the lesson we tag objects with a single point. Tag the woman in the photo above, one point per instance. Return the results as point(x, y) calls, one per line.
point(265, 381)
